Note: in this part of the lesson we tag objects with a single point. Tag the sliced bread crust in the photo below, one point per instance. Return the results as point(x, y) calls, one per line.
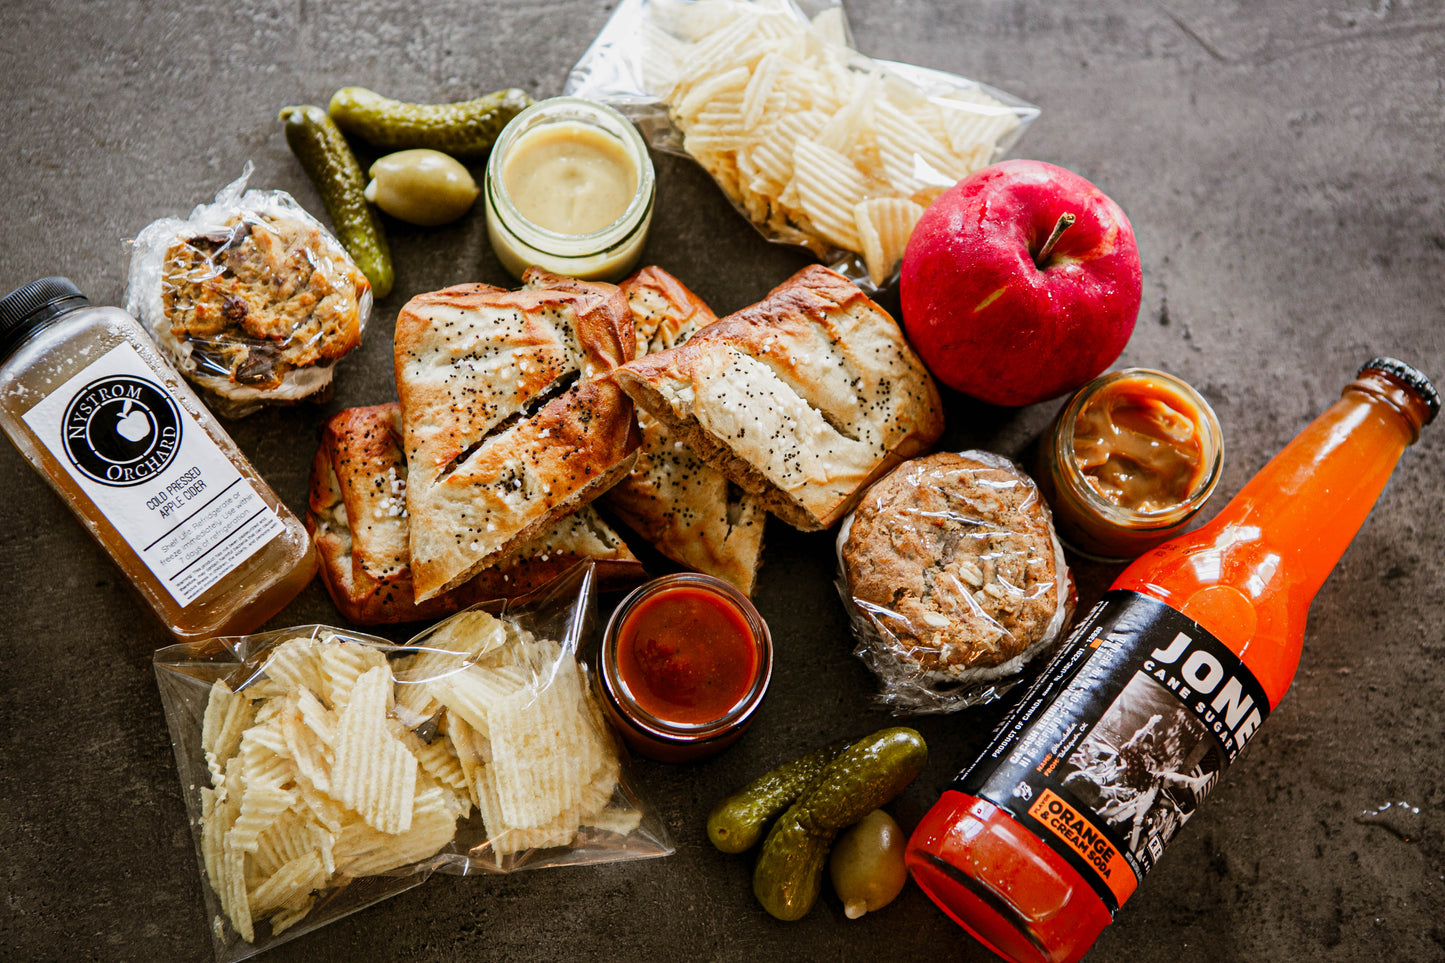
point(802, 399)
point(357, 518)
point(511, 414)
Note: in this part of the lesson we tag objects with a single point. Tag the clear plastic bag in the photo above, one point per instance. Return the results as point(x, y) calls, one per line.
point(250, 297)
point(816, 144)
point(292, 772)
point(953, 579)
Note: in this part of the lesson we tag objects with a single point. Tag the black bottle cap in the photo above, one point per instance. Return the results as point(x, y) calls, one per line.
point(28, 307)
point(1411, 377)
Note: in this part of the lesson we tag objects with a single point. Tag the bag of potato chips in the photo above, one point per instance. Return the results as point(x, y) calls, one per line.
point(325, 770)
point(816, 144)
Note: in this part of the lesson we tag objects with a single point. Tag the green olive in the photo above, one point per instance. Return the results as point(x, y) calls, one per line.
point(421, 186)
point(867, 864)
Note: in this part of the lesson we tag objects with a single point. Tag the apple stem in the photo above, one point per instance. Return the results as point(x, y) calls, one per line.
point(1064, 222)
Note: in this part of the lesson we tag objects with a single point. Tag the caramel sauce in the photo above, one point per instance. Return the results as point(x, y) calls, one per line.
point(1139, 445)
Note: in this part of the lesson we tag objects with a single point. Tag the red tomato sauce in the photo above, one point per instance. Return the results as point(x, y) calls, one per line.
point(686, 655)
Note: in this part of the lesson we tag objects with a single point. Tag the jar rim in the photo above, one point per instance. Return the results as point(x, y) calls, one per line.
point(1131, 518)
point(665, 730)
point(559, 244)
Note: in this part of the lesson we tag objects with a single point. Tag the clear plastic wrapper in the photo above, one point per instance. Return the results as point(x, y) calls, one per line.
point(251, 298)
point(324, 770)
point(953, 579)
point(816, 144)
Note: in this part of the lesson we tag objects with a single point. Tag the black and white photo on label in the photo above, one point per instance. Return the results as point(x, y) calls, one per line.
point(1143, 767)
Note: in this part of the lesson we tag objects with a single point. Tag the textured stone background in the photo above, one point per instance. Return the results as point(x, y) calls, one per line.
point(1282, 165)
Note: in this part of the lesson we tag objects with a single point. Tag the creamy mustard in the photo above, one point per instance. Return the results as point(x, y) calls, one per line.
point(569, 189)
point(570, 177)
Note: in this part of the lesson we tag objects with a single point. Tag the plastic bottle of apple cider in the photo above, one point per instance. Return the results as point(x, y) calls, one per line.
point(1038, 843)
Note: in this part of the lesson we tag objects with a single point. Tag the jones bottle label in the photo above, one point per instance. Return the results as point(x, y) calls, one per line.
point(1115, 745)
point(154, 473)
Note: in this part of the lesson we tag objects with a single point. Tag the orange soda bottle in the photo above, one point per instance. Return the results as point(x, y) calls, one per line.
point(1038, 843)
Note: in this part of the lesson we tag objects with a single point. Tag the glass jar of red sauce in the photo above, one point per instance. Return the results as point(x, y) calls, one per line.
point(685, 662)
point(1131, 458)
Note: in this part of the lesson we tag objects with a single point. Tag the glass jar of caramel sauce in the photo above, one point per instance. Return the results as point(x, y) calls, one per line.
point(1131, 458)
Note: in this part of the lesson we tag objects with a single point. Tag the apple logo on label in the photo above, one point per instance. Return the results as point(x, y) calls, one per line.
point(122, 430)
point(132, 424)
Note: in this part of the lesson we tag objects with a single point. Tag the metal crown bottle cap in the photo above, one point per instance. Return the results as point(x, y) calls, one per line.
point(26, 307)
point(1411, 377)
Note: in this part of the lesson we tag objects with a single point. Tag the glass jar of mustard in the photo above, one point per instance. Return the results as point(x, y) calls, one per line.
point(569, 187)
point(110, 424)
point(1130, 459)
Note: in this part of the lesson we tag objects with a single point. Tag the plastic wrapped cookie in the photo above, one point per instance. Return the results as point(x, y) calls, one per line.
point(250, 296)
point(953, 578)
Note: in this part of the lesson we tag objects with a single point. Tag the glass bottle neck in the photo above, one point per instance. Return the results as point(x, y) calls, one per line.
point(1311, 498)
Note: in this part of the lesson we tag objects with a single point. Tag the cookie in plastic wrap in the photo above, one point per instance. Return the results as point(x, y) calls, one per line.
point(251, 297)
point(953, 578)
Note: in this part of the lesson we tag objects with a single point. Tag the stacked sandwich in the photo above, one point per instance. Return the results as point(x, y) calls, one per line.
point(517, 413)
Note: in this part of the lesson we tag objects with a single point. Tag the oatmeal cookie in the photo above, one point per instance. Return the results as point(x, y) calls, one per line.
point(953, 573)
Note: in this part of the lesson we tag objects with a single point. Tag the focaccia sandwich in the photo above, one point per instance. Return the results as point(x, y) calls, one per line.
point(511, 415)
point(802, 399)
point(679, 503)
point(357, 518)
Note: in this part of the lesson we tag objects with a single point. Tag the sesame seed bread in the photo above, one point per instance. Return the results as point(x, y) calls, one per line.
point(511, 415)
point(357, 518)
point(801, 399)
point(688, 510)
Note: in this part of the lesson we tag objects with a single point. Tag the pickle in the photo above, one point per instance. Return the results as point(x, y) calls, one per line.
point(328, 161)
point(737, 822)
point(789, 873)
point(465, 130)
point(868, 774)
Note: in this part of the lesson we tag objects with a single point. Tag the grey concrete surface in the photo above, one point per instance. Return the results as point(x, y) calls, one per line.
point(1282, 164)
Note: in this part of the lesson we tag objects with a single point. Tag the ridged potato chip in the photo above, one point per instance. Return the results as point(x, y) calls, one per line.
point(267, 757)
point(829, 185)
point(260, 805)
point(295, 665)
point(310, 750)
point(374, 774)
point(437, 759)
point(293, 835)
point(361, 850)
point(737, 78)
point(227, 717)
point(334, 763)
point(290, 886)
point(341, 664)
point(884, 225)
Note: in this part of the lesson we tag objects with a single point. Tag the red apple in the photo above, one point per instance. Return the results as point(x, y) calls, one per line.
point(1020, 283)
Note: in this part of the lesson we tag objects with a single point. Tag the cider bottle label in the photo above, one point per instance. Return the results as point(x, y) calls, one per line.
point(1115, 745)
point(149, 467)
